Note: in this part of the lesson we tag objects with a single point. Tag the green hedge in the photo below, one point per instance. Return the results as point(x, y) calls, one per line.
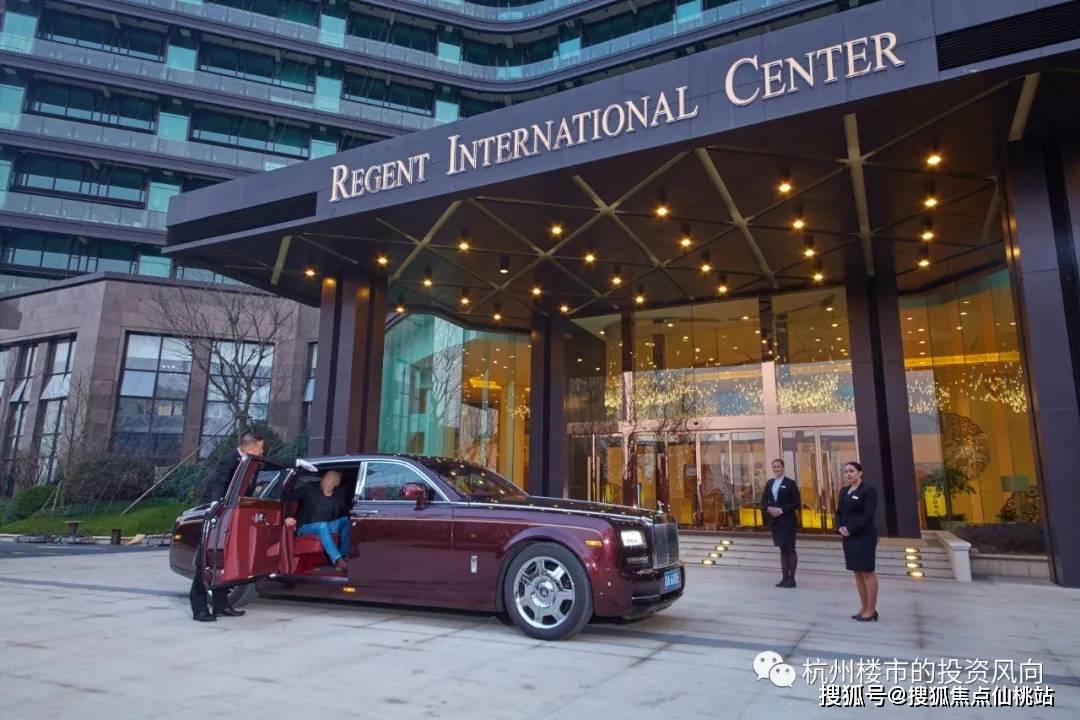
point(29, 500)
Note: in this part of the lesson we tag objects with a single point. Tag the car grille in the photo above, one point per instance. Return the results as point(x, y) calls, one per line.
point(665, 538)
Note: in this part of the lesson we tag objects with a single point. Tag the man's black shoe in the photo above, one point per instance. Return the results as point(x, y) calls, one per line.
point(231, 612)
point(204, 617)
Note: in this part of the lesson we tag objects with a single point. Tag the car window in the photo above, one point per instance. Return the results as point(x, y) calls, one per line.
point(472, 481)
point(384, 481)
point(267, 484)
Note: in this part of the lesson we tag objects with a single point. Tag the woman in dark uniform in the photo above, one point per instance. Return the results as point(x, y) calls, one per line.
point(855, 522)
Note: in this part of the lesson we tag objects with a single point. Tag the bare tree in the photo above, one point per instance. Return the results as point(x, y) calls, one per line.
point(231, 335)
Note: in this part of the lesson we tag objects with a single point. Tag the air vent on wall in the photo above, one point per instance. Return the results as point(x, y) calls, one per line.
point(1013, 34)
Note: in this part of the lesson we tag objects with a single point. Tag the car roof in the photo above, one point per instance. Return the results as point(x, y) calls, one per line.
point(359, 457)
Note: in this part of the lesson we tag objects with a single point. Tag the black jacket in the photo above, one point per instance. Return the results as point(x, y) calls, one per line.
point(856, 511)
point(787, 500)
point(218, 483)
point(316, 507)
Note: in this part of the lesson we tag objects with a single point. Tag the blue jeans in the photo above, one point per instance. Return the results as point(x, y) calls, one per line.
point(325, 530)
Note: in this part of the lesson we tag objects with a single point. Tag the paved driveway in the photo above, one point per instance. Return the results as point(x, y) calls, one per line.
point(107, 635)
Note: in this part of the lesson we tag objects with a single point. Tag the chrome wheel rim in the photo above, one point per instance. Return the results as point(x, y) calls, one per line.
point(544, 592)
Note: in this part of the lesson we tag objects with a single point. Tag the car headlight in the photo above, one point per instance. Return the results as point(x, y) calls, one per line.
point(632, 538)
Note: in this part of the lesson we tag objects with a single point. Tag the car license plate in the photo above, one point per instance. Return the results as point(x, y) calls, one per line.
point(672, 579)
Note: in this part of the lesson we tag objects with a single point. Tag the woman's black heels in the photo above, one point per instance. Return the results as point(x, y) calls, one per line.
point(861, 618)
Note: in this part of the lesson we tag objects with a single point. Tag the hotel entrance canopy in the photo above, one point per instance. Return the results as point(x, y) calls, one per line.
point(554, 205)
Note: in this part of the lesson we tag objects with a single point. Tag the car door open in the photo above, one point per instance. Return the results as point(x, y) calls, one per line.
point(246, 536)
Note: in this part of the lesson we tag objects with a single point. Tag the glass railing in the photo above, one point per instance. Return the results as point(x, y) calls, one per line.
point(81, 210)
point(121, 139)
point(488, 12)
point(421, 58)
point(83, 57)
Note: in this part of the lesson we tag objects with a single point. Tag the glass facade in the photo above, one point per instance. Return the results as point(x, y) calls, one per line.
point(968, 405)
point(682, 407)
point(238, 383)
point(452, 391)
point(53, 409)
point(152, 402)
point(16, 433)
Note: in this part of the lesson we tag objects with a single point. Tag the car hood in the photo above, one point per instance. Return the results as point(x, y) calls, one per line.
point(574, 507)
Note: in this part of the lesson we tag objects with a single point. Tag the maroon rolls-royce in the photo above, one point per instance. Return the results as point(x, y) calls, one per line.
point(439, 532)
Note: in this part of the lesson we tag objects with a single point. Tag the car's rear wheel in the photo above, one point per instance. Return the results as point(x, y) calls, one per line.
point(240, 595)
point(546, 592)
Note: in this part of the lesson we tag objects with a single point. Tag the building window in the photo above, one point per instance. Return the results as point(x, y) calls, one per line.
point(98, 34)
point(52, 408)
point(256, 66)
point(85, 104)
point(626, 23)
point(15, 430)
point(396, 33)
point(41, 174)
point(66, 253)
point(309, 386)
point(250, 133)
point(299, 11)
point(239, 375)
point(152, 402)
point(393, 95)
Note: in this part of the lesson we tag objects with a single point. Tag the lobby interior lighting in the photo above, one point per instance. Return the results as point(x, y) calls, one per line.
point(428, 280)
point(382, 260)
point(616, 276)
point(706, 266)
point(400, 304)
point(927, 233)
point(819, 271)
point(934, 158)
point(536, 291)
point(685, 239)
point(556, 230)
point(784, 187)
point(564, 308)
point(590, 256)
point(464, 297)
point(463, 240)
point(809, 249)
point(924, 257)
point(721, 284)
point(504, 265)
point(497, 315)
point(310, 272)
point(639, 296)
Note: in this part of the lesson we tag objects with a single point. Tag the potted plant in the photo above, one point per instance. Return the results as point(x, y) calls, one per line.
point(949, 481)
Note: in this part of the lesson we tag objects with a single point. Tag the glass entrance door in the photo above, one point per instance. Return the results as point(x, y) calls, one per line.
point(814, 458)
point(610, 465)
point(732, 472)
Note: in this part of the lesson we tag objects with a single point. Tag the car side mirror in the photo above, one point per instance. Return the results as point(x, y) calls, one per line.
point(417, 492)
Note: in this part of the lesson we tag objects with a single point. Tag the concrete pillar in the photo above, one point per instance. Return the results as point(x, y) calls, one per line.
point(348, 380)
point(1043, 206)
point(881, 404)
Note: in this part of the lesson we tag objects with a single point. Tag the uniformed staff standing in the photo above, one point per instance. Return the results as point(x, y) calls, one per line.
point(779, 501)
point(207, 604)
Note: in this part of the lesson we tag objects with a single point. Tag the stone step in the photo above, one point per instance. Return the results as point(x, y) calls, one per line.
point(931, 574)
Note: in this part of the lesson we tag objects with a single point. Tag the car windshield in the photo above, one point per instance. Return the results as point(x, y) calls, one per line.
point(472, 481)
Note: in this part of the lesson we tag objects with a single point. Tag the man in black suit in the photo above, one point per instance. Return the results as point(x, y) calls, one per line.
point(779, 501)
point(206, 605)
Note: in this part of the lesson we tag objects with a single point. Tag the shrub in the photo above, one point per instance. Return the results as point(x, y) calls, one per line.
point(1022, 538)
point(29, 500)
point(106, 476)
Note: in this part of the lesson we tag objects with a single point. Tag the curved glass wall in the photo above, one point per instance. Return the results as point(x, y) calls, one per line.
point(968, 405)
point(455, 392)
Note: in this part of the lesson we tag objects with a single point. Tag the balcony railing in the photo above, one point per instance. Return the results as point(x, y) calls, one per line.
point(211, 82)
point(420, 58)
point(122, 139)
point(81, 211)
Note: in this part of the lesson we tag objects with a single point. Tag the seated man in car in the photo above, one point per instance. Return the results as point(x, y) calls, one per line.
point(324, 510)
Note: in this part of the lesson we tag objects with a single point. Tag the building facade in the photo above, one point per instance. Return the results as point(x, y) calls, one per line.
point(110, 108)
point(619, 252)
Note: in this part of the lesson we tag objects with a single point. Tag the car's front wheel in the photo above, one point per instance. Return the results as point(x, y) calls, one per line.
point(546, 592)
